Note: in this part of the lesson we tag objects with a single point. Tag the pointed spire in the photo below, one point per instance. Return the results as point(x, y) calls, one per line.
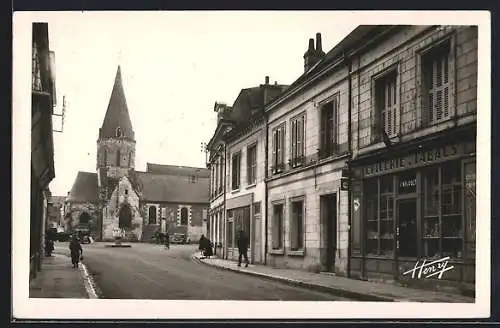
point(117, 121)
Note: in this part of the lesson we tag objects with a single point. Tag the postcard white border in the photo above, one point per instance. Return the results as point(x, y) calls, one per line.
point(24, 307)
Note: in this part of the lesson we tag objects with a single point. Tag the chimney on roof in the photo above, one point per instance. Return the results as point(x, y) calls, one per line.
point(319, 51)
point(313, 55)
point(275, 82)
point(267, 80)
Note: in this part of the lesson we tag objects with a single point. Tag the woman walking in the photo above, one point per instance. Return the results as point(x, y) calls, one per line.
point(76, 251)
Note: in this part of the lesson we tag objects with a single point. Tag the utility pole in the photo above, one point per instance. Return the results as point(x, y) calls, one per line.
point(204, 149)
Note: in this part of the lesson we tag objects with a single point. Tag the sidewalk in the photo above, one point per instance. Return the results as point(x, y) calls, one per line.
point(350, 288)
point(58, 279)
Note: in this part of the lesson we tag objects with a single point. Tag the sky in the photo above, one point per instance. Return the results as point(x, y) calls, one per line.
point(175, 66)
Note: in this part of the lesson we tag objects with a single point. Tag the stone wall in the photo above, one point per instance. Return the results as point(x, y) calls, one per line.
point(72, 217)
point(107, 152)
point(123, 195)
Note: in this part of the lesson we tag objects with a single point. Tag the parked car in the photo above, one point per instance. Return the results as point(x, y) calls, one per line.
point(179, 238)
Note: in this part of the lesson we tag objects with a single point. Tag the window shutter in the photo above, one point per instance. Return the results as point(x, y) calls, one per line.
point(334, 128)
point(274, 148)
point(294, 139)
point(278, 150)
point(300, 142)
point(178, 216)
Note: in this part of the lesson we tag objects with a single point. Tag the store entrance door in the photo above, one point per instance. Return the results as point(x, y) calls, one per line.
point(407, 228)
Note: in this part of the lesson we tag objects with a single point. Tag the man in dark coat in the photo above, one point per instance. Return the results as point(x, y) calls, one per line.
point(206, 246)
point(242, 247)
point(76, 251)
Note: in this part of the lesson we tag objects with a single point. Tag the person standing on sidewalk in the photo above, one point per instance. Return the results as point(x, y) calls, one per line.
point(167, 240)
point(242, 247)
point(76, 251)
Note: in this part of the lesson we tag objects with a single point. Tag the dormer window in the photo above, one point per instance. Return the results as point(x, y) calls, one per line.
point(118, 132)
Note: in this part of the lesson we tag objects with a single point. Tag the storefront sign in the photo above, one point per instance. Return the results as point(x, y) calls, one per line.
point(418, 158)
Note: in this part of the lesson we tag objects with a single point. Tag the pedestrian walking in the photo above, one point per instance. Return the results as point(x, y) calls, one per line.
point(242, 248)
point(49, 247)
point(167, 241)
point(76, 251)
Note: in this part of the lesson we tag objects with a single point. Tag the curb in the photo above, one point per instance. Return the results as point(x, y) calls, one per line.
point(293, 282)
point(87, 278)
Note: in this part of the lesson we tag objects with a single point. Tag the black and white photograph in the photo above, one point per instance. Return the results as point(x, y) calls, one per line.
point(251, 164)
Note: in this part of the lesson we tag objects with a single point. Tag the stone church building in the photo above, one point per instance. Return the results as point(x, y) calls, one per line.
point(118, 200)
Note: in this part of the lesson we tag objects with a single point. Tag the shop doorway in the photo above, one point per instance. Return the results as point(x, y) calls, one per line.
point(328, 208)
point(407, 219)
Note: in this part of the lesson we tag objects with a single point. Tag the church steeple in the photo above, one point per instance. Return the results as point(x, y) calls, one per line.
point(117, 123)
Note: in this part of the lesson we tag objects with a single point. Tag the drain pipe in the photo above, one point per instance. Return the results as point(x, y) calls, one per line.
point(349, 144)
point(266, 163)
point(224, 208)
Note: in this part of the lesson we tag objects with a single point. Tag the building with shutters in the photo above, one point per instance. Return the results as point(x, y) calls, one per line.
point(118, 200)
point(392, 111)
point(414, 113)
point(237, 185)
point(43, 100)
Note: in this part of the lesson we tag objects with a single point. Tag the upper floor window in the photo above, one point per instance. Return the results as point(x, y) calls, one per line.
point(221, 172)
point(252, 164)
point(436, 89)
point(235, 171)
point(386, 104)
point(118, 132)
point(329, 128)
point(278, 148)
point(192, 179)
point(297, 135)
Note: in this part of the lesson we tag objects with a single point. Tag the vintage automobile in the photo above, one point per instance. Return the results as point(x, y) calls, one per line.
point(179, 238)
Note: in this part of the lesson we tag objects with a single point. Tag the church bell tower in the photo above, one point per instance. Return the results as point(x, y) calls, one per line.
point(116, 142)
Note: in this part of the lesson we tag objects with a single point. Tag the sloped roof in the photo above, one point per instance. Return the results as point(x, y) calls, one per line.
point(177, 170)
point(175, 189)
point(354, 40)
point(84, 188)
point(117, 113)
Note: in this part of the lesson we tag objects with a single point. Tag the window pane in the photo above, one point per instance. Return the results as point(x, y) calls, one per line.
point(277, 228)
point(370, 196)
point(296, 235)
point(470, 209)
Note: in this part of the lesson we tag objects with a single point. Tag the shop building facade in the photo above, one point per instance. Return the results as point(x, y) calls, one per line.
point(413, 169)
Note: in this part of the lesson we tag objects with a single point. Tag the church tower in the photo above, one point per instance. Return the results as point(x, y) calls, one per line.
point(116, 142)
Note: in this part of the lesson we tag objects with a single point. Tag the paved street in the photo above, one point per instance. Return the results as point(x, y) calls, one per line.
point(147, 271)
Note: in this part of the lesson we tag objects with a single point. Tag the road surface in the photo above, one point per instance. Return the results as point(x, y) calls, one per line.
point(147, 271)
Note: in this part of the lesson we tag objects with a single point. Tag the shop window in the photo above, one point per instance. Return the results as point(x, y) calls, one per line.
point(297, 225)
point(329, 128)
point(436, 92)
point(442, 221)
point(297, 135)
point(235, 174)
point(386, 104)
point(278, 149)
point(252, 164)
point(470, 209)
point(379, 213)
point(277, 227)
